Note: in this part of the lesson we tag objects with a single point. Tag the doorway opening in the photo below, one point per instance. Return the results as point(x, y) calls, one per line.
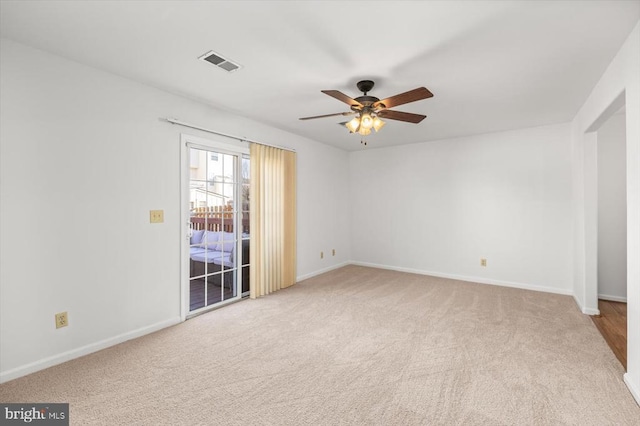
point(609, 229)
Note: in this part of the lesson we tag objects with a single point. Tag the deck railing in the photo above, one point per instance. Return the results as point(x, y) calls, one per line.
point(217, 218)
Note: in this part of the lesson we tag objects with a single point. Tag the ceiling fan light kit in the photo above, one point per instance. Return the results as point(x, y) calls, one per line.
point(364, 123)
point(369, 109)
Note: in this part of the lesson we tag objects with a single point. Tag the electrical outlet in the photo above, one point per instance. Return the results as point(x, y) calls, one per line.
point(333, 252)
point(61, 320)
point(483, 262)
point(156, 216)
point(321, 255)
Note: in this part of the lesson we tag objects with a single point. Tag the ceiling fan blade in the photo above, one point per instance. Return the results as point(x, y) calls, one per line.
point(341, 97)
point(404, 98)
point(328, 115)
point(401, 116)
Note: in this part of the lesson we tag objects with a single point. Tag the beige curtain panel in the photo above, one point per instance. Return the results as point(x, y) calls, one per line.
point(273, 219)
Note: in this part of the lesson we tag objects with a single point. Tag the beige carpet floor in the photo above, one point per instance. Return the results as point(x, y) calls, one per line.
point(355, 346)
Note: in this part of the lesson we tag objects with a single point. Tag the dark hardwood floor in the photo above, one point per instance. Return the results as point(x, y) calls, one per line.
point(612, 324)
point(214, 293)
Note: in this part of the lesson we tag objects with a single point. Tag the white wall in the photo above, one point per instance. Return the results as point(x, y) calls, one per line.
point(612, 210)
point(84, 157)
point(439, 207)
point(323, 210)
point(621, 81)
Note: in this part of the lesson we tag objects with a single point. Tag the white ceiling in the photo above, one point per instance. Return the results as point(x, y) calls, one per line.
point(492, 65)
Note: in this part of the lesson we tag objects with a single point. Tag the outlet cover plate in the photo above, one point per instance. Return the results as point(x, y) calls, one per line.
point(62, 320)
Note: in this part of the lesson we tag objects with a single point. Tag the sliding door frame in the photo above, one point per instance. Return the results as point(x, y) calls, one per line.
point(237, 149)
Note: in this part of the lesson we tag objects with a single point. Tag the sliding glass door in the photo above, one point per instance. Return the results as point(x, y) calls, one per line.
point(218, 226)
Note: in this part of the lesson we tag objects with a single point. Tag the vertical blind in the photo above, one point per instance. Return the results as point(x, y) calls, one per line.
point(273, 219)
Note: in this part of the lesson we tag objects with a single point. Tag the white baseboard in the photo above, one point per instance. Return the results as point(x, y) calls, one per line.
point(586, 311)
point(14, 373)
point(478, 280)
point(612, 298)
point(590, 311)
point(634, 389)
point(321, 271)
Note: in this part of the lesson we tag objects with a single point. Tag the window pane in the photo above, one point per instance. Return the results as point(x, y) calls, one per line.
point(245, 279)
point(196, 294)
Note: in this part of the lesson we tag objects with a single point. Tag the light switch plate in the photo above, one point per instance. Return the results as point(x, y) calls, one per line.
point(156, 216)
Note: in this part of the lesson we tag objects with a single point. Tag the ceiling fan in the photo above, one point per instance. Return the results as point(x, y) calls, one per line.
point(370, 109)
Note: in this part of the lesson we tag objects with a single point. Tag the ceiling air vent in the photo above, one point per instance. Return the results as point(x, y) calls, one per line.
point(220, 61)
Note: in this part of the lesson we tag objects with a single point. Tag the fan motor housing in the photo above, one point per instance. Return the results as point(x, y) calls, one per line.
point(367, 100)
